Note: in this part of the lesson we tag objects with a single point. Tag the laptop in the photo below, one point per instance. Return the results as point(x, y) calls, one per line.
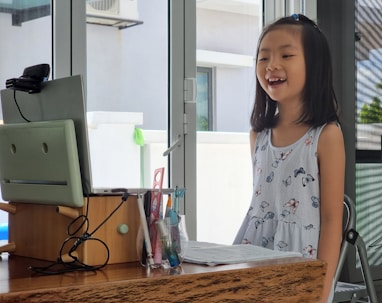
point(39, 163)
point(59, 99)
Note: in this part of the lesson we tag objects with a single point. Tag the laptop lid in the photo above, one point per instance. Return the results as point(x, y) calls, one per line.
point(39, 163)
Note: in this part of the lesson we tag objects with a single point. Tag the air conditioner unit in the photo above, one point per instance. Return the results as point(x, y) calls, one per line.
point(118, 13)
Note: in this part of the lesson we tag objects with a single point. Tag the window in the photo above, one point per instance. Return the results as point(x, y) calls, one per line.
point(204, 99)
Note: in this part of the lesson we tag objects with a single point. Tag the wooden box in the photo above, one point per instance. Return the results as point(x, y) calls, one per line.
point(39, 231)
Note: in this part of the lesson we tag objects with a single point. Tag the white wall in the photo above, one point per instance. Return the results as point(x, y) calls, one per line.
point(234, 86)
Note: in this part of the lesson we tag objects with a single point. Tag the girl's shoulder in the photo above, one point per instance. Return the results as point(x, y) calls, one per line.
point(327, 131)
point(331, 137)
point(330, 133)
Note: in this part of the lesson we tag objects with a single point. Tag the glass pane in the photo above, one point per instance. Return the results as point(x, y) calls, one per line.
point(369, 209)
point(227, 34)
point(26, 32)
point(127, 78)
point(368, 47)
point(26, 35)
point(369, 74)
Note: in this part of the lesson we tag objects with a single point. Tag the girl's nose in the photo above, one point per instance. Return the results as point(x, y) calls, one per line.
point(272, 65)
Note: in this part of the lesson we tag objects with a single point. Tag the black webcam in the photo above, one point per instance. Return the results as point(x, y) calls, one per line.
point(31, 79)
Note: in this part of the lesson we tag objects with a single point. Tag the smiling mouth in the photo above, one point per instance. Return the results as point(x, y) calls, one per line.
point(276, 81)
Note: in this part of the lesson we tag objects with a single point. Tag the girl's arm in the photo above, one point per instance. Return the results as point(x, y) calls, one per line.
point(331, 161)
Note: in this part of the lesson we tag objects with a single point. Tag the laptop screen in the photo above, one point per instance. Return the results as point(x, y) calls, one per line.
point(39, 163)
point(59, 99)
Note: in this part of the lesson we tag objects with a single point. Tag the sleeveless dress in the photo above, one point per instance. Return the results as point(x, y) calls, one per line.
point(285, 209)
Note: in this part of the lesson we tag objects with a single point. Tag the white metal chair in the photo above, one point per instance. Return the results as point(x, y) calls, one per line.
point(349, 292)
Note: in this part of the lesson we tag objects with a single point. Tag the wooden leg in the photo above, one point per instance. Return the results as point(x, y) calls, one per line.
point(68, 211)
point(10, 247)
point(10, 208)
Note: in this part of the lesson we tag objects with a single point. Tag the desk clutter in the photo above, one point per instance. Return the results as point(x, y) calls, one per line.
point(163, 237)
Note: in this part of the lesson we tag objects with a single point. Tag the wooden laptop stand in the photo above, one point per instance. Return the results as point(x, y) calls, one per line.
point(38, 231)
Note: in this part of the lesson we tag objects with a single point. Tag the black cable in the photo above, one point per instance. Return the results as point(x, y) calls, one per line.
point(124, 198)
point(18, 107)
point(75, 264)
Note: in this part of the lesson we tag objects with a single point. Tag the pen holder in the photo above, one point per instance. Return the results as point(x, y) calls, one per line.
point(169, 246)
point(174, 240)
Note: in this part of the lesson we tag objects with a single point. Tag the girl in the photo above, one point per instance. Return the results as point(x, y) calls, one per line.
point(297, 147)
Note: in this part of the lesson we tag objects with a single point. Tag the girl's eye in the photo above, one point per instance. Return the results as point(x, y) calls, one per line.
point(262, 59)
point(287, 56)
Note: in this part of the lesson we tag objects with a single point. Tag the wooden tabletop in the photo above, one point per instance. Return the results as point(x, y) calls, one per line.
point(279, 280)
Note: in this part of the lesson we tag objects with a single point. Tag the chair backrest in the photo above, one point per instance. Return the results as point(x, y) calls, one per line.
point(349, 224)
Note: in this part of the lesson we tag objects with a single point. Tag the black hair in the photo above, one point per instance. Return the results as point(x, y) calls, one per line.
point(320, 102)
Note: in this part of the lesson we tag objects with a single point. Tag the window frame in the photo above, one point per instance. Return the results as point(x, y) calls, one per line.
point(69, 39)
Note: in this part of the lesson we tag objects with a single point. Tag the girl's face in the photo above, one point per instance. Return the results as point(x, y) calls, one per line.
point(280, 66)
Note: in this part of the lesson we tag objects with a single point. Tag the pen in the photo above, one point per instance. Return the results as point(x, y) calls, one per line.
point(168, 205)
point(173, 221)
point(176, 202)
point(145, 230)
point(146, 206)
point(179, 193)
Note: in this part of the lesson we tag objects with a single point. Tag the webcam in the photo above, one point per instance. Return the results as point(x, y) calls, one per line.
point(31, 79)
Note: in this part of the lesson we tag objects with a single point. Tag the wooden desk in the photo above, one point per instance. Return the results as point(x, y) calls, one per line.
point(279, 280)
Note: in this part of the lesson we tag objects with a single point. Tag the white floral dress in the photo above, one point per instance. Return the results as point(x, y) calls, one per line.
point(285, 210)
